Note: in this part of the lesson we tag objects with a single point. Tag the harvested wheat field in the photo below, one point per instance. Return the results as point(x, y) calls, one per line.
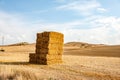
point(80, 62)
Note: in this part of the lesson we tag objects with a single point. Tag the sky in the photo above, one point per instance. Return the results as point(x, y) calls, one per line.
point(91, 21)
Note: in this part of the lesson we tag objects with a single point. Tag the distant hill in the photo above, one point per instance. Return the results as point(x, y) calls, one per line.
point(81, 44)
point(19, 44)
point(69, 44)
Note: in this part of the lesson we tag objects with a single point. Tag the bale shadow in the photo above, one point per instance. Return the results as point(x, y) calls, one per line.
point(14, 63)
point(20, 63)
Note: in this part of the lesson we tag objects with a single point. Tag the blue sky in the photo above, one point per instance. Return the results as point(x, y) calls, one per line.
point(92, 21)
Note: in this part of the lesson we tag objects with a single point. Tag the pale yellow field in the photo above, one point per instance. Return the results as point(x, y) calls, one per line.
point(14, 63)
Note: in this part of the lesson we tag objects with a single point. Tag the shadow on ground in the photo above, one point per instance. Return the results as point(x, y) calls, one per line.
point(14, 63)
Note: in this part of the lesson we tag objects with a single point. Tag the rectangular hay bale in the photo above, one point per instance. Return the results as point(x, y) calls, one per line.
point(49, 48)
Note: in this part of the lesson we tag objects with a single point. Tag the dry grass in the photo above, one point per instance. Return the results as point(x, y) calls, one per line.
point(12, 72)
point(14, 66)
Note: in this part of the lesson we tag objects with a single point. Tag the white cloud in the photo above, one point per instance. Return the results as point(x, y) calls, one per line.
point(84, 7)
point(12, 27)
point(101, 10)
point(96, 29)
point(100, 29)
point(105, 30)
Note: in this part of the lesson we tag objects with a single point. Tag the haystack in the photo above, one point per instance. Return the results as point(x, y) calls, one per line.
point(49, 48)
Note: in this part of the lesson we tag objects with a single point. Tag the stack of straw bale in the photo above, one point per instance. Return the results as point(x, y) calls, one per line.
point(32, 58)
point(49, 48)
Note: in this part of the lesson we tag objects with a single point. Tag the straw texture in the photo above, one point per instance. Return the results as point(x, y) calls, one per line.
point(49, 48)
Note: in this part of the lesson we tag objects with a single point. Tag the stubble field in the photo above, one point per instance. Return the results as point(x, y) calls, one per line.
point(93, 63)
